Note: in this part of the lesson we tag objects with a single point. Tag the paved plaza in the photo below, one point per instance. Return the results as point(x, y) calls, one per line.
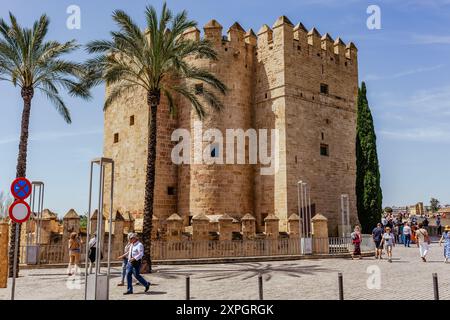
point(406, 278)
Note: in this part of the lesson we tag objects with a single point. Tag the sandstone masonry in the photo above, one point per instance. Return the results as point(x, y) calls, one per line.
point(286, 78)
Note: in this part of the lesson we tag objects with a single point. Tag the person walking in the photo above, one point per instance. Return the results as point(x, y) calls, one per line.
point(377, 234)
point(388, 240)
point(446, 238)
point(407, 234)
point(396, 232)
point(93, 251)
point(124, 258)
point(356, 240)
point(438, 224)
point(135, 255)
point(384, 221)
point(74, 252)
point(423, 241)
point(401, 237)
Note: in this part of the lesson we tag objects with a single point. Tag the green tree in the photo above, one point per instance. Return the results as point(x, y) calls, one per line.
point(154, 59)
point(435, 204)
point(35, 65)
point(368, 190)
point(83, 221)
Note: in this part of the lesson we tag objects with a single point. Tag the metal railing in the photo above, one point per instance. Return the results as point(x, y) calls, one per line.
point(173, 250)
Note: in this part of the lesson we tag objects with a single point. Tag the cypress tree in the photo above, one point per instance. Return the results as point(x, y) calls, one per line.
point(368, 190)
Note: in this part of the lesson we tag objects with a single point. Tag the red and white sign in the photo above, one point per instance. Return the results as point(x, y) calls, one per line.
point(19, 211)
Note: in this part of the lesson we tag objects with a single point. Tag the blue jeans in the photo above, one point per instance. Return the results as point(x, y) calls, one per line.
point(136, 271)
point(407, 240)
point(124, 268)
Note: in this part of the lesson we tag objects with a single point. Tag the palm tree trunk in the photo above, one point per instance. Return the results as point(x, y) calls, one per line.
point(27, 95)
point(153, 100)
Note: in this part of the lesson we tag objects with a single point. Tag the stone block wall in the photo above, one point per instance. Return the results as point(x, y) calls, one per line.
point(299, 82)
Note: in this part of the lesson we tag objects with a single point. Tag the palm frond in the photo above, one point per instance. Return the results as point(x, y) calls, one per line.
point(57, 102)
point(116, 92)
point(28, 60)
point(188, 93)
point(155, 58)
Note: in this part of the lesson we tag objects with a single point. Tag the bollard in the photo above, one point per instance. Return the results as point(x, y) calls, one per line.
point(188, 288)
point(260, 285)
point(435, 286)
point(341, 286)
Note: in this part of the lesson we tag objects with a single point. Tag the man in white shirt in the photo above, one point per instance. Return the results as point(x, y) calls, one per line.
point(134, 264)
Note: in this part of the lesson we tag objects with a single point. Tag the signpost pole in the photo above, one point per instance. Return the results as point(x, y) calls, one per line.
point(19, 212)
point(110, 229)
point(13, 287)
point(88, 234)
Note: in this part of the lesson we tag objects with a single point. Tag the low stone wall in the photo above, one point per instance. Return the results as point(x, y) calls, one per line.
point(227, 249)
point(4, 239)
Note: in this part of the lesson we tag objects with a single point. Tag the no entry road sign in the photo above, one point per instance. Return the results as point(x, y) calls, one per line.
point(19, 211)
point(21, 188)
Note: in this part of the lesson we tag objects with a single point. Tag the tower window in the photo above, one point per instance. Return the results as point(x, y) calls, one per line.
point(322, 69)
point(116, 137)
point(215, 151)
point(171, 191)
point(199, 88)
point(132, 121)
point(323, 88)
point(324, 150)
point(323, 136)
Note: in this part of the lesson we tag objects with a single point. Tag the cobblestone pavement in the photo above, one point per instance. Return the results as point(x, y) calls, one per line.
point(406, 278)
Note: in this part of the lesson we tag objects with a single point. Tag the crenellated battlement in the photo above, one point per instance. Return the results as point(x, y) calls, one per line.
point(237, 36)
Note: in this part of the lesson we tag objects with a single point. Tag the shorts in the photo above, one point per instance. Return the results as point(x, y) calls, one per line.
point(378, 244)
point(74, 258)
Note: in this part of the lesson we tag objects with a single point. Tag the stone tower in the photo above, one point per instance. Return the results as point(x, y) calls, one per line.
point(215, 187)
point(285, 78)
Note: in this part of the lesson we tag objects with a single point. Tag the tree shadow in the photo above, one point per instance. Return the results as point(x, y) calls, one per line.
point(244, 271)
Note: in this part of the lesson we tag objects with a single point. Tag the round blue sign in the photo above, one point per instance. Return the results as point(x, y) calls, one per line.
point(21, 188)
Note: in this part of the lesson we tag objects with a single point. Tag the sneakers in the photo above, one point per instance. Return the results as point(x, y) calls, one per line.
point(128, 292)
point(423, 259)
point(120, 284)
point(390, 260)
point(147, 287)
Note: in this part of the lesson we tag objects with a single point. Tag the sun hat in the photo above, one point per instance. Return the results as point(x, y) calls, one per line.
point(132, 235)
point(447, 228)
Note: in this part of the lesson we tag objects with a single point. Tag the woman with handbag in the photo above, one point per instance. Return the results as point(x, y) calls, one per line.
point(356, 240)
point(423, 241)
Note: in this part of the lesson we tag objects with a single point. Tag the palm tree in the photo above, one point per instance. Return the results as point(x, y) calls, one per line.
point(148, 59)
point(33, 64)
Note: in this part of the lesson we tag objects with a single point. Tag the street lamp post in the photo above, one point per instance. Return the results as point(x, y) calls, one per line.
point(304, 203)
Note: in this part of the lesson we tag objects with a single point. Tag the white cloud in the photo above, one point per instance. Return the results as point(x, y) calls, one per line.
point(430, 39)
point(403, 73)
point(431, 134)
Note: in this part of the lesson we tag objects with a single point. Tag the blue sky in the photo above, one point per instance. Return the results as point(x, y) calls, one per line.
point(405, 66)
